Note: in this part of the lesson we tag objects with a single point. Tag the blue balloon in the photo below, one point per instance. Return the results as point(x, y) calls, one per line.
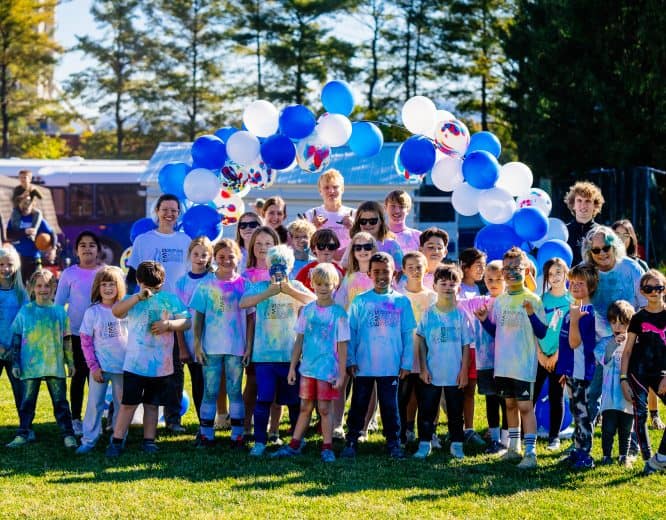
point(554, 249)
point(143, 225)
point(208, 151)
point(486, 141)
point(337, 97)
point(495, 240)
point(225, 132)
point(480, 169)
point(530, 224)
point(171, 178)
point(278, 152)
point(202, 220)
point(542, 410)
point(417, 154)
point(366, 139)
point(297, 121)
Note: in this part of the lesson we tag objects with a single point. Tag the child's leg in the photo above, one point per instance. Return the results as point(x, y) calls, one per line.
point(455, 404)
point(196, 376)
point(287, 394)
point(233, 369)
point(250, 395)
point(123, 418)
point(640, 392)
point(594, 393)
point(307, 405)
point(174, 390)
point(468, 406)
point(429, 396)
point(149, 421)
point(266, 387)
point(117, 393)
point(412, 407)
point(276, 416)
point(211, 376)
point(361, 393)
point(405, 390)
point(609, 425)
point(556, 405)
point(57, 387)
point(222, 409)
point(79, 378)
point(325, 408)
point(387, 395)
point(625, 424)
point(17, 389)
point(340, 403)
point(653, 403)
point(92, 421)
point(579, 400)
point(28, 405)
point(661, 451)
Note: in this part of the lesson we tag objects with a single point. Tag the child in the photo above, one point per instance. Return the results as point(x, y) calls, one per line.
point(433, 244)
point(576, 361)
point(617, 413)
point(381, 351)
point(274, 212)
point(153, 316)
point(444, 335)
point(12, 298)
point(370, 218)
point(516, 321)
point(300, 233)
point(248, 222)
point(322, 335)
point(42, 350)
point(644, 363)
point(556, 302)
point(277, 303)
point(104, 341)
point(74, 290)
point(397, 206)
point(413, 266)
point(217, 315)
point(200, 257)
point(256, 268)
point(324, 243)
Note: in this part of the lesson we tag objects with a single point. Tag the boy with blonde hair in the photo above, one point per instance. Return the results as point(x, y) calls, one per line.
point(397, 206)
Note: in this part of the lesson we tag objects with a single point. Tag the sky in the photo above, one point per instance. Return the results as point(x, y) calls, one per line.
point(72, 18)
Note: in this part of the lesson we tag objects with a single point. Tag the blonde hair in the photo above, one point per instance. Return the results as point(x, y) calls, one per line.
point(588, 190)
point(207, 245)
point(108, 274)
point(300, 225)
point(495, 266)
point(399, 197)
point(323, 273)
point(330, 175)
point(16, 280)
point(352, 264)
point(45, 275)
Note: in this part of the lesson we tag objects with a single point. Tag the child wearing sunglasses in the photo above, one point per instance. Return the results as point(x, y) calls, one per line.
point(324, 244)
point(247, 224)
point(644, 363)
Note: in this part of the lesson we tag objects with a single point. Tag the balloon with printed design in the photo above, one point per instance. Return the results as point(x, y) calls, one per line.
point(312, 154)
point(537, 198)
point(452, 137)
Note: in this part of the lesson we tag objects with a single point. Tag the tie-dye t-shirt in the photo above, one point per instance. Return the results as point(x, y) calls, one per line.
point(515, 342)
point(352, 285)
point(322, 328)
point(408, 239)
point(42, 329)
point(484, 343)
point(401, 283)
point(74, 288)
point(10, 303)
point(185, 287)
point(149, 354)
point(256, 274)
point(276, 316)
point(420, 301)
point(169, 249)
point(382, 327)
point(224, 321)
point(445, 333)
point(555, 308)
point(109, 336)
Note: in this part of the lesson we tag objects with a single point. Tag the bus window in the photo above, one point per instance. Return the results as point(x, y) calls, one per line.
point(80, 200)
point(59, 197)
point(114, 202)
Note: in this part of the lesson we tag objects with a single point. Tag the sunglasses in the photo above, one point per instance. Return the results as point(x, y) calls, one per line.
point(245, 225)
point(649, 289)
point(363, 247)
point(365, 221)
point(330, 247)
point(597, 250)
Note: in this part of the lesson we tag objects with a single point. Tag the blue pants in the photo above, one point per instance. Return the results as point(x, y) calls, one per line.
point(272, 386)
point(212, 375)
point(17, 387)
point(57, 387)
point(387, 395)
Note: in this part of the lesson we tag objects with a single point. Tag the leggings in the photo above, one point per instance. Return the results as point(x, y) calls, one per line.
point(615, 421)
point(494, 403)
point(79, 379)
point(555, 399)
point(639, 388)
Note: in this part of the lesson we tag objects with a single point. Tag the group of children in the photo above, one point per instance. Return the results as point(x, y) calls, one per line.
point(395, 323)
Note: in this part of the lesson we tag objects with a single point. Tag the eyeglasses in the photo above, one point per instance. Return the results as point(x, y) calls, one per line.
point(623, 235)
point(597, 250)
point(245, 225)
point(330, 247)
point(363, 247)
point(365, 221)
point(513, 269)
point(649, 289)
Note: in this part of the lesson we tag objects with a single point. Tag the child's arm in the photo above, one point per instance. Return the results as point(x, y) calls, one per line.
point(295, 358)
point(183, 353)
point(197, 329)
point(166, 325)
point(69, 355)
point(463, 375)
point(253, 299)
point(575, 313)
point(425, 374)
point(302, 296)
point(624, 367)
point(407, 352)
point(91, 359)
point(538, 327)
point(352, 367)
point(342, 364)
point(121, 308)
point(249, 338)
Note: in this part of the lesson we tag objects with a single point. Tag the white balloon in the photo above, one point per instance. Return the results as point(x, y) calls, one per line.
point(465, 199)
point(419, 115)
point(516, 178)
point(447, 173)
point(557, 230)
point(201, 185)
point(243, 147)
point(537, 198)
point(231, 207)
point(261, 118)
point(334, 129)
point(496, 205)
point(440, 115)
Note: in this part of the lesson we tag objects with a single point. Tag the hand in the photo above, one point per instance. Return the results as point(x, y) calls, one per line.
point(247, 358)
point(318, 220)
point(552, 362)
point(161, 326)
point(621, 338)
point(338, 383)
point(462, 378)
point(16, 372)
point(481, 313)
point(291, 376)
point(575, 311)
point(71, 370)
point(348, 221)
point(31, 232)
point(351, 370)
point(661, 390)
point(543, 359)
point(273, 288)
point(184, 356)
point(628, 394)
point(286, 287)
point(199, 354)
point(562, 381)
point(403, 373)
point(144, 294)
point(97, 376)
point(527, 305)
point(425, 376)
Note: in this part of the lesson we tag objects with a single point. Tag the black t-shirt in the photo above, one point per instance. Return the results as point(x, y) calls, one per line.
point(577, 233)
point(648, 356)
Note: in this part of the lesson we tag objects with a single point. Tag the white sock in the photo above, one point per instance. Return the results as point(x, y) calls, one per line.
point(514, 439)
point(504, 437)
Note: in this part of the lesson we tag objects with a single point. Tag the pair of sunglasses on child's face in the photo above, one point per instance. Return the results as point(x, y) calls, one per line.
point(330, 247)
point(597, 250)
point(363, 247)
point(245, 225)
point(649, 289)
point(371, 221)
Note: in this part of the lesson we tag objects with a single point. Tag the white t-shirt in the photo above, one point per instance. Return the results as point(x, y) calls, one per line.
point(332, 222)
point(74, 288)
point(109, 336)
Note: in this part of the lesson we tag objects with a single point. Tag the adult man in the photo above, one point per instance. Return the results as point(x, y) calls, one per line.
point(585, 201)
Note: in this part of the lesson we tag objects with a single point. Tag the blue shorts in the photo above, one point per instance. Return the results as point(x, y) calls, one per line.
point(272, 384)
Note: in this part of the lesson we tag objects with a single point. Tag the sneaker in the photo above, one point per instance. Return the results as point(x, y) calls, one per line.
point(201, 441)
point(114, 450)
point(285, 451)
point(554, 445)
point(150, 447)
point(623, 460)
point(570, 457)
point(396, 452)
point(18, 441)
point(656, 423)
point(339, 433)
point(632, 455)
point(84, 448)
point(176, 428)
point(258, 449)
point(222, 422)
point(70, 441)
point(654, 465)
point(528, 462)
point(348, 452)
point(474, 439)
point(584, 461)
point(423, 451)
point(274, 438)
point(410, 436)
point(607, 460)
point(457, 450)
point(435, 443)
point(511, 455)
point(31, 436)
point(327, 456)
point(363, 437)
point(77, 426)
point(373, 426)
point(495, 448)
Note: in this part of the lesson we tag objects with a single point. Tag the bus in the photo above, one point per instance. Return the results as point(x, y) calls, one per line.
point(102, 196)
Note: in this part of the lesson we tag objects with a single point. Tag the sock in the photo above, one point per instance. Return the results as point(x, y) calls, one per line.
point(116, 441)
point(514, 439)
point(504, 437)
point(530, 443)
point(494, 434)
point(294, 443)
point(654, 413)
point(326, 446)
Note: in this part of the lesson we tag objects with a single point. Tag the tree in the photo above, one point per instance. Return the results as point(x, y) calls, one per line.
point(26, 59)
point(118, 83)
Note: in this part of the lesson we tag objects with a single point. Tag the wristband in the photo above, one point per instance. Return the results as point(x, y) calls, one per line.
point(623, 377)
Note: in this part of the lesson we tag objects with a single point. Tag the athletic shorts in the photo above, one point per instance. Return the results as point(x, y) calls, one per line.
point(485, 382)
point(517, 389)
point(142, 389)
point(312, 389)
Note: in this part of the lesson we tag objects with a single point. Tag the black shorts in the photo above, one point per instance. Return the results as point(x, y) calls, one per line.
point(142, 389)
point(485, 382)
point(510, 388)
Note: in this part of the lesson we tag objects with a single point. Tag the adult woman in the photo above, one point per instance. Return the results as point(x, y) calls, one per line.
point(625, 230)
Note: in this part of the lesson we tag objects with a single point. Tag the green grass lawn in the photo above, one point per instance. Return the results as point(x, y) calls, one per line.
point(44, 480)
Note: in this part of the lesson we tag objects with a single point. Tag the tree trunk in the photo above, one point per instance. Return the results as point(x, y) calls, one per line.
point(257, 29)
point(4, 103)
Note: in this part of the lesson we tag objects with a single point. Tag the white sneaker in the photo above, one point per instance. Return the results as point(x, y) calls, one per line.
point(457, 450)
point(423, 451)
point(554, 445)
point(435, 443)
point(339, 433)
point(363, 437)
point(77, 426)
point(528, 462)
point(373, 425)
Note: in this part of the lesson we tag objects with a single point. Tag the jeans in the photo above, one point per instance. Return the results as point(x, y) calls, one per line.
point(17, 387)
point(615, 421)
point(555, 399)
point(579, 390)
point(78, 382)
point(594, 393)
point(92, 422)
point(174, 390)
point(405, 388)
point(429, 397)
point(387, 395)
point(57, 387)
point(640, 387)
point(212, 375)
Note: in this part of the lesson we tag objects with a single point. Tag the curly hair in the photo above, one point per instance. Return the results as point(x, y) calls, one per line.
point(587, 190)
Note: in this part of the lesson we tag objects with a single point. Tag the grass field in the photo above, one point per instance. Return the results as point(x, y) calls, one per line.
point(44, 480)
